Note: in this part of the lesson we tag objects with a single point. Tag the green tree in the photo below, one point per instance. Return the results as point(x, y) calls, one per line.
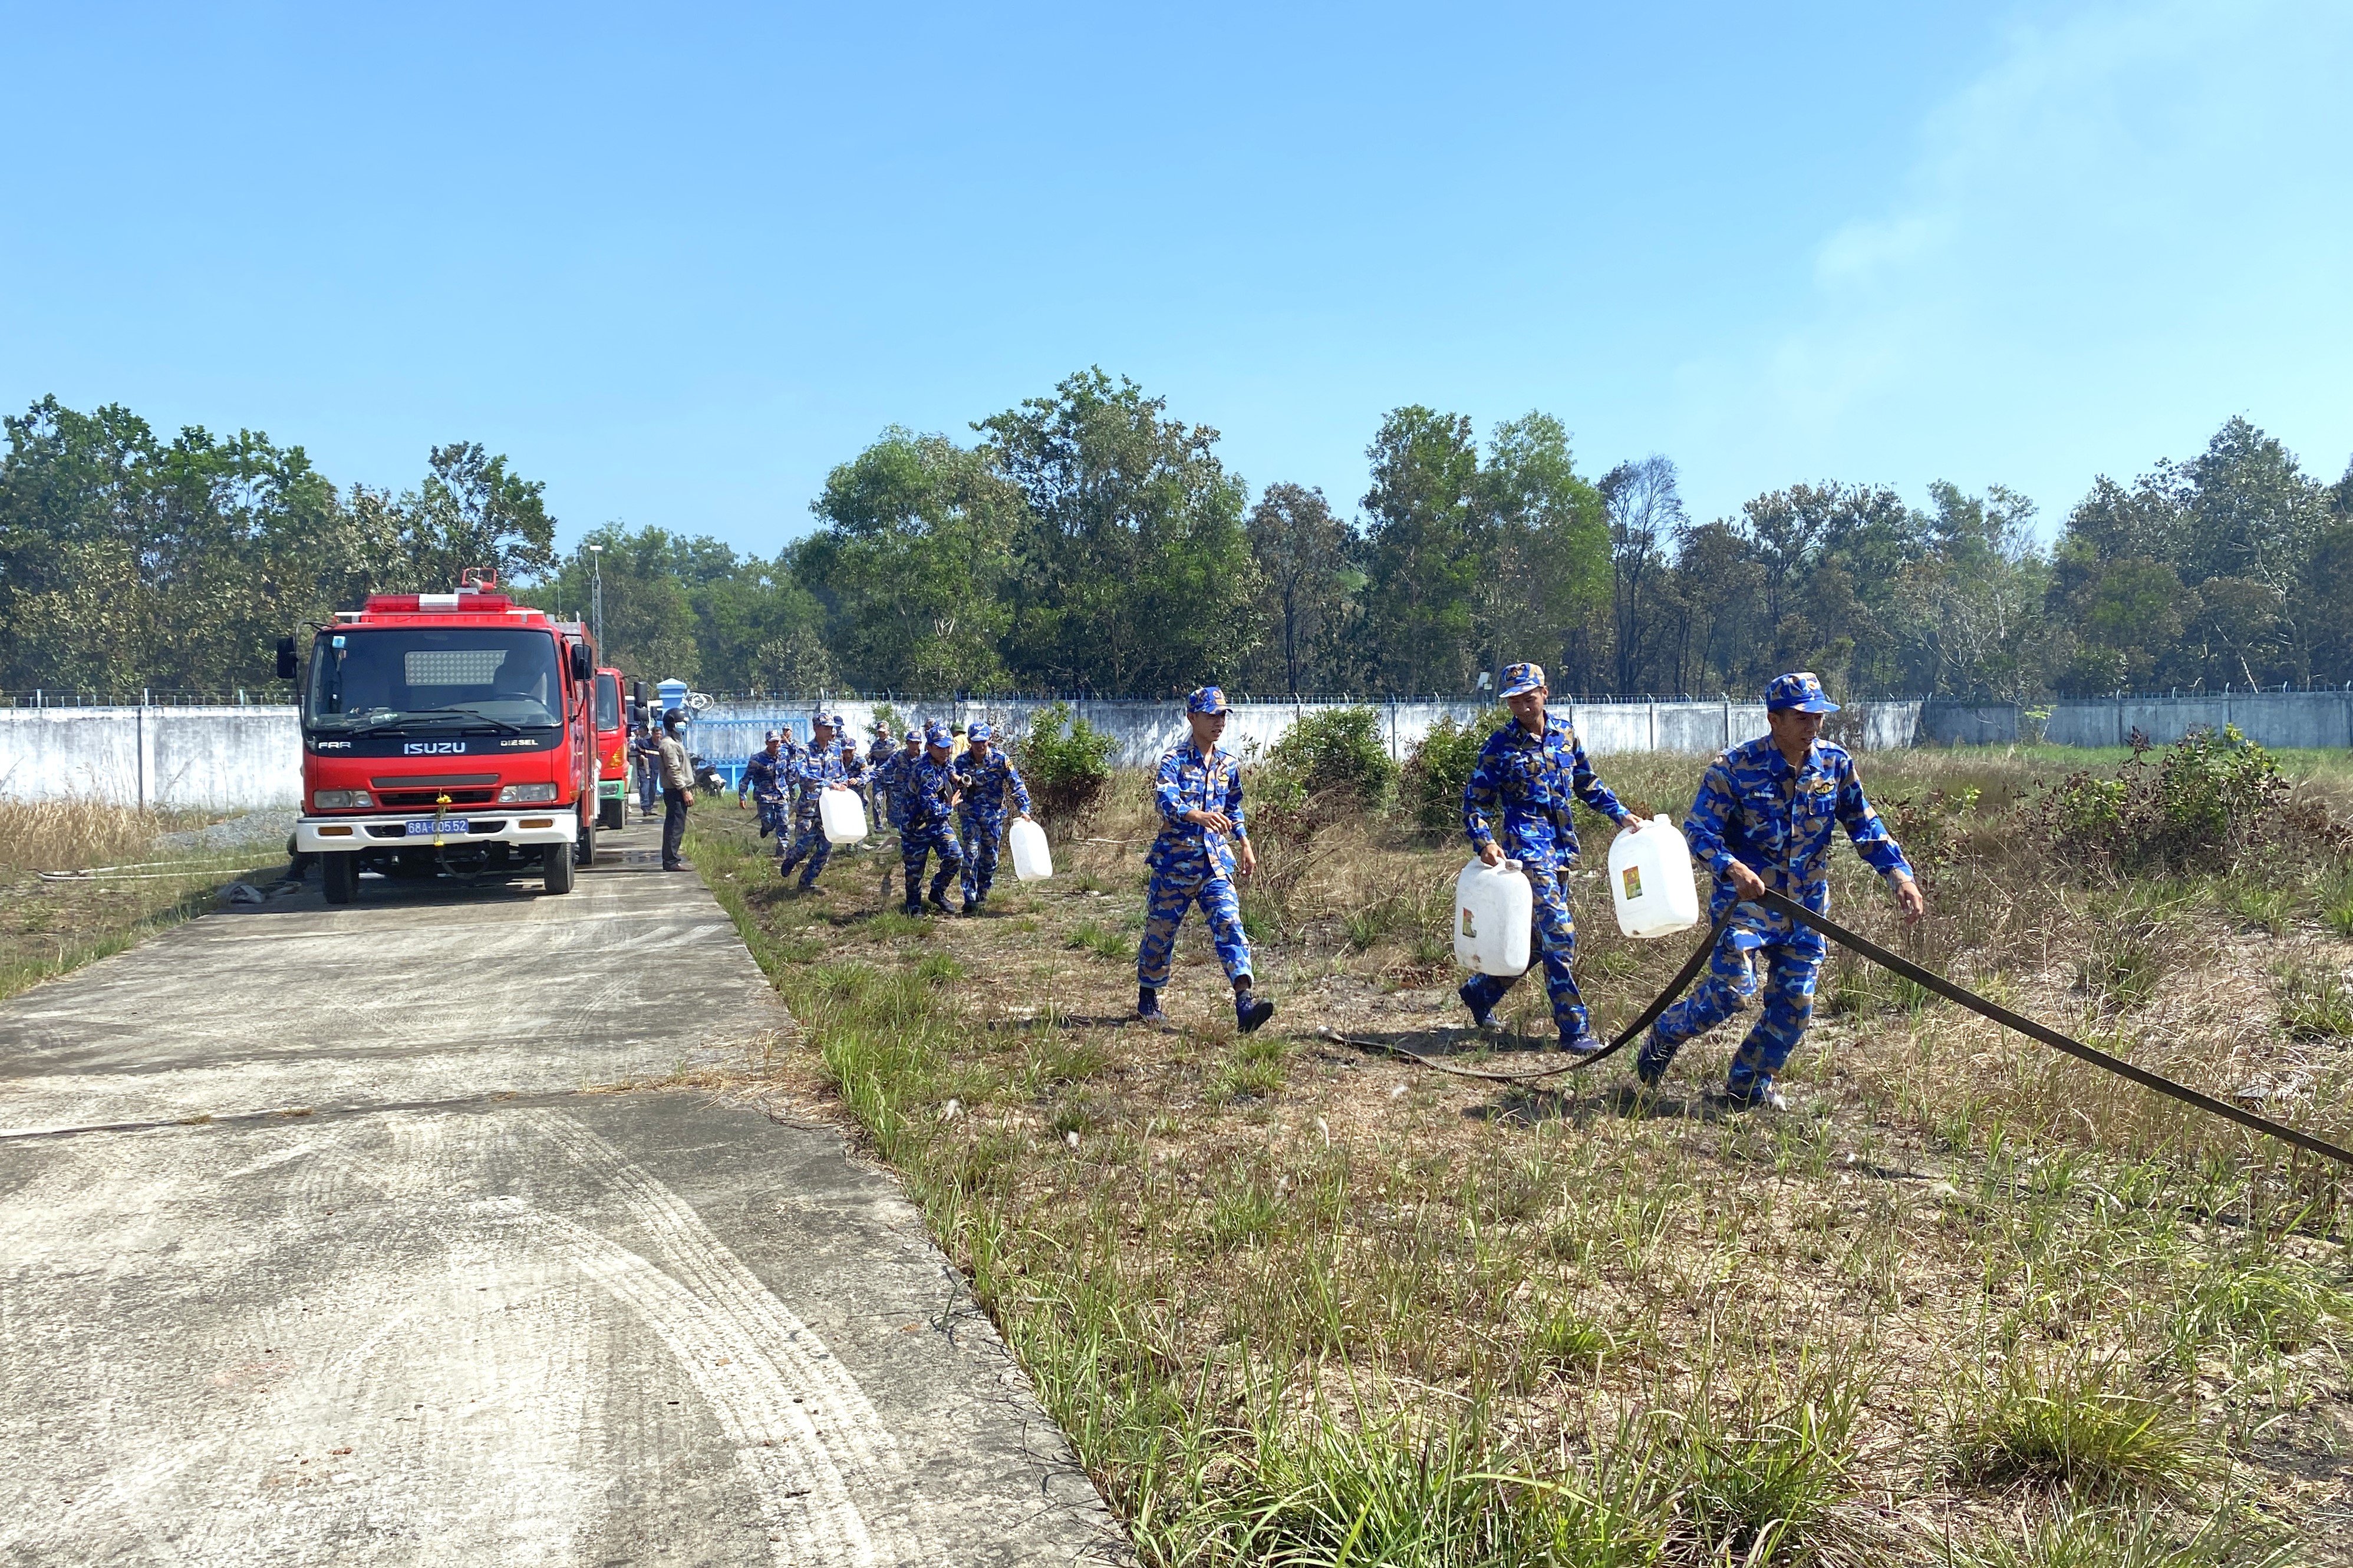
point(1309, 585)
point(1830, 556)
point(1644, 507)
point(473, 511)
point(1547, 568)
point(2240, 530)
point(1427, 516)
point(126, 562)
point(1970, 604)
point(914, 560)
point(1715, 608)
point(1132, 571)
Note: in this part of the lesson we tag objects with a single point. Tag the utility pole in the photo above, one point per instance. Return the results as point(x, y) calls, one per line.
point(596, 620)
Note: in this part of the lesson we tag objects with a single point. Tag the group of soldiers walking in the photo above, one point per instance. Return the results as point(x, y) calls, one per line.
point(949, 805)
point(1764, 819)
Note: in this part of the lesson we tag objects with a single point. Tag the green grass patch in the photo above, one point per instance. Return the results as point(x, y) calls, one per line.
point(1113, 945)
point(2076, 1424)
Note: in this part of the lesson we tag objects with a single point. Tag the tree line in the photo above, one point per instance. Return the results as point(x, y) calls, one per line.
point(1087, 541)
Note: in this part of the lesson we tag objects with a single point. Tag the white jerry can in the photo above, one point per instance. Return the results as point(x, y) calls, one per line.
point(1493, 907)
point(1650, 880)
point(841, 814)
point(1032, 860)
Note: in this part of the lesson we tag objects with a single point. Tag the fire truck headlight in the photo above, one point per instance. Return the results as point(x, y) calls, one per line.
point(527, 794)
point(340, 799)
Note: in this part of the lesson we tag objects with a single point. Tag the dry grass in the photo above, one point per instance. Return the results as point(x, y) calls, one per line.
point(49, 928)
point(1297, 1302)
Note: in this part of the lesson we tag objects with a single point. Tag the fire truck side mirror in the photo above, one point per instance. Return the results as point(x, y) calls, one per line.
point(582, 669)
point(285, 659)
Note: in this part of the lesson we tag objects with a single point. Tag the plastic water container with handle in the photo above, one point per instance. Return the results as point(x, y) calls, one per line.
point(841, 814)
point(1032, 861)
point(1493, 906)
point(1650, 880)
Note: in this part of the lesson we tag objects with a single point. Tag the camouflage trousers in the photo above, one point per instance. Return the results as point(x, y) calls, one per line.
point(981, 832)
point(809, 843)
point(1174, 892)
point(915, 844)
point(1792, 963)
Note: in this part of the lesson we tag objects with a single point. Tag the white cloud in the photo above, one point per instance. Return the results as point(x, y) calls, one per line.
point(2112, 238)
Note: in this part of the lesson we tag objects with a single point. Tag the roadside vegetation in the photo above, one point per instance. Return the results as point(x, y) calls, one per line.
point(1969, 1302)
point(145, 874)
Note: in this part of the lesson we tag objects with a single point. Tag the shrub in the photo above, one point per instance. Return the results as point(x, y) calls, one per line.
point(2207, 800)
point(1336, 755)
point(2212, 792)
point(1066, 763)
point(1439, 768)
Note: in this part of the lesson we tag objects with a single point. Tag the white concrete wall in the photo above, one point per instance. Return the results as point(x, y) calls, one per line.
point(230, 759)
point(212, 758)
point(1144, 731)
point(2314, 720)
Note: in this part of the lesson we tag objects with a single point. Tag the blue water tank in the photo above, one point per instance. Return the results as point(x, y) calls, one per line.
point(670, 694)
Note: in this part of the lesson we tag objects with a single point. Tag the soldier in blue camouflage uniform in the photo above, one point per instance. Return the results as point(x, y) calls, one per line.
point(878, 751)
point(1202, 848)
point(767, 779)
point(894, 779)
point(927, 824)
point(818, 771)
point(853, 766)
point(984, 774)
point(1530, 769)
point(853, 760)
point(1763, 820)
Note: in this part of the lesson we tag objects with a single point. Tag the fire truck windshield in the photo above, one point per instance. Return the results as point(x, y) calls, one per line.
point(383, 677)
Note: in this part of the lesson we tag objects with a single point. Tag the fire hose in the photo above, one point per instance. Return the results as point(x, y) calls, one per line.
point(1936, 983)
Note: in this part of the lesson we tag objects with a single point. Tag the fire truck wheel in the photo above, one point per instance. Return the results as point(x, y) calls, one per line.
point(555, 863)
point(339, 873)
point(612, 816)
point(585, 847)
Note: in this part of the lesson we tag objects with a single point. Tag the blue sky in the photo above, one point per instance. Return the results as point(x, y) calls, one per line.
point(678, 264)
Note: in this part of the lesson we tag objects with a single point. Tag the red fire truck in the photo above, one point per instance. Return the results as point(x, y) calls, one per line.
point(447, 732)
point(612, 753)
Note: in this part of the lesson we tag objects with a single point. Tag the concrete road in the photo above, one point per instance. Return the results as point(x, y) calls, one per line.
point(411, 1295)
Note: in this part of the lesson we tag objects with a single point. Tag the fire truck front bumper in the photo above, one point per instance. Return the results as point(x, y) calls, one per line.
point(413, 830)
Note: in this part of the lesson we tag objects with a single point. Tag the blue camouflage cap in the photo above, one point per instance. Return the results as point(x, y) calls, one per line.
point(977, 731)
point(1206, 700)
point(1801, 690)
point(938, 734)
point(773, 736)
point(840, 725)
point(912, 735)
point(1521, 678)
point(820, 718)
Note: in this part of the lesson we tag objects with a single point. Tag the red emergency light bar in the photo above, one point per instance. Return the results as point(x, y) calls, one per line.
point(466, 603)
